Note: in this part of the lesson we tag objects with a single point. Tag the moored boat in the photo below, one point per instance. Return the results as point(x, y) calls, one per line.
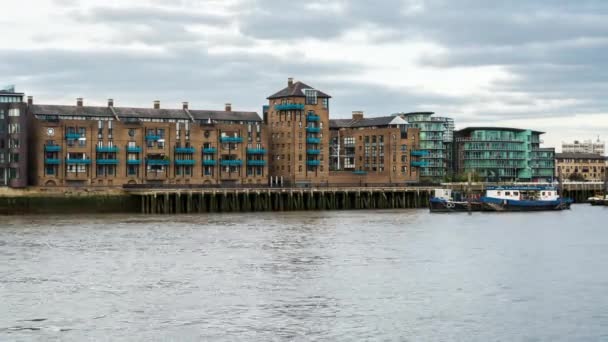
point(524, 198)
point(446, 201)
point(598, 200)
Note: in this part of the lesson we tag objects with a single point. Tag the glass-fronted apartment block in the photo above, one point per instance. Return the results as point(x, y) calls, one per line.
point(496, 154)
point(13, 139)
point(436, 138)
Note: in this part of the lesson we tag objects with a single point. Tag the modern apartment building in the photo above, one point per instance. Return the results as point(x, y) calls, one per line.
point(587, 146)
point(497, 154)
point(110, 146)
point(13, 139)
point(374, 150)
point(436, 138)
point(297, 120)
point(580, 166)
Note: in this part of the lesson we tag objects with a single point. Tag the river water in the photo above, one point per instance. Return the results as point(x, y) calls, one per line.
point(306, 276)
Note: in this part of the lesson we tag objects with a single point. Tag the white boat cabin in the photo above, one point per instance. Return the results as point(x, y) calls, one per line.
point(444, 194)
point(523, 194)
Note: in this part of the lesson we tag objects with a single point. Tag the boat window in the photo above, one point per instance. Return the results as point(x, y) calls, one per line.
point(515, 193)
point(507, 193)
point(498, 193)
point(544, 193)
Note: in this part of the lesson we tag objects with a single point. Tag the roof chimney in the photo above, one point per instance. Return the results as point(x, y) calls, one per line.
point(156, 104)
point(79, 102)
point(185, 105)
point(228, 107)
point(357, 115)
point(110, 102)
point(30, 100)
point(290, 82)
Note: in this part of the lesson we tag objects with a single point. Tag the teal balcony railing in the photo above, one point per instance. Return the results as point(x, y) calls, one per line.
point(234, 162)
point(313, 152)
point(360, 173)
point(313, 162)
point(312, 118)
point(186, 162)
point(153, 137)
point(157, 162)
point(72, 136)
point(289, 106)
point(231, 139)
point(313, 129)
point(184, 150)
point(420, 153)
point(107, 161)
point(52, 148)
point(420, 163)
point(209, 162)
point(256, 151)
point(133, 161)
point(256, 162)
point(210, 150)
point(313, 140)
point(52, 161)
point(134, 149)
point(78, 161)
point(109, 149)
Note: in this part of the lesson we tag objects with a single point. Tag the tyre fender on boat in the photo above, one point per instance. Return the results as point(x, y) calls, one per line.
point(450, 205)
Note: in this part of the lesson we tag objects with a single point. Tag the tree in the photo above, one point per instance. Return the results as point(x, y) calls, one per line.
point(576, 177)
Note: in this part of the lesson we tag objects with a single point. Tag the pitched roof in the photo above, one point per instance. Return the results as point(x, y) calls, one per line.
point(151, 113)
point(379, 121)
point(225, 116)
point(570, 155)
point(296, 90)
point(87, 111)
point(469, 129)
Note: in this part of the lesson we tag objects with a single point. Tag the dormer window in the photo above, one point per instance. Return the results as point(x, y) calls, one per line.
point(311, 96)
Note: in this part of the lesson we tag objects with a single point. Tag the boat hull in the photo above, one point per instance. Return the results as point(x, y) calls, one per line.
point(443, 206)
point(511, 205)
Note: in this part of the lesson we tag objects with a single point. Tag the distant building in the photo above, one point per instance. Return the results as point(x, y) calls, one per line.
point(374, 150)
point(497, 154)
point(580, 166)
point(587, 146)
point(82, 145)
point(13, 139)
point(436, 137)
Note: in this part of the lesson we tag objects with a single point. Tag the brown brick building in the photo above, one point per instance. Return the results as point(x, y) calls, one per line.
point(298, 124)
point(111, 146)
point(587, 166)
point(374, 150)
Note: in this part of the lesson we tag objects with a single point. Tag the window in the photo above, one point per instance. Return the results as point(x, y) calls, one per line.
point(14, 128)
point(13, 157)
point(325, 103)
point(311, 96)
point(14, 112)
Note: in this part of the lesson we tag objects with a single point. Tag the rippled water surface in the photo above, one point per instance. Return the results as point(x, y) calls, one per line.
point(335, 276)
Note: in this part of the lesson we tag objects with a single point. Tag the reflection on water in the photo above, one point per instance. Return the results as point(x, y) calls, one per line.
point(358, 275)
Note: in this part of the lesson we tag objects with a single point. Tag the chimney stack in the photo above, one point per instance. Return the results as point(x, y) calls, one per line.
point(185, 105)
point(156, 104)
point(290, 82)
point(30, 100)
point(79, 102)
point(357, 115)
point(110, 102)
point(228, 107)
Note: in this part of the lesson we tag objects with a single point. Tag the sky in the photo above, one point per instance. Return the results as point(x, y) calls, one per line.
point(529, 64)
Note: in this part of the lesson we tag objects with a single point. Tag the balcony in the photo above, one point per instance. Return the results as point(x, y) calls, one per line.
point(256, 151)
point(420, 153)
point(420, 164)
point(52, 148)
point(78, 161)
point(52, 161)
point(256, 163)
point(313, 140)
point(289, 106)
point(72, 136)
point(153, 137)
point(188, 150)
point(133, 161)
point(186, 162)
point(156, 162)
point(313, 162)
point(107, 161)
point(313, 152)
point(210, 150)
point(360, 173)
point(231, 139)
point(313, 129)
point(235, 162)
point(108, 149)
point(312, 118)
point(133, 149)
point(209, 162)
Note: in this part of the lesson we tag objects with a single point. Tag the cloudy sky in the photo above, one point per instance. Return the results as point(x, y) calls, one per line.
point(533, 64)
